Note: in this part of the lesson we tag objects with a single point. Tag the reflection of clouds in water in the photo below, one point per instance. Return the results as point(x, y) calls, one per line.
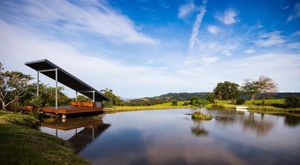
point(164, 150)
point(166, 137)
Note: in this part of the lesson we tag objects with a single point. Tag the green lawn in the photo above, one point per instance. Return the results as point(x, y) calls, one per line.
point(167, 105)
point(227, 104)
point(266, 102)
point(255, 106)
point(22, 143)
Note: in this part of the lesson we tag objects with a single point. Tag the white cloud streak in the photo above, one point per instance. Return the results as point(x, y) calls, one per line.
point(196, 26)
point(270, 39)
point(249, 51)
point(296, 13)
point(19, 46)
point(185, 10)
point(91, 16)
point(228, 17)
point(213, 29)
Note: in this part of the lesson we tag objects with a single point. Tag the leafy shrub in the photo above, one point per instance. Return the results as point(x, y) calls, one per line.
point(240, 101)
point(201, 116)
point(186, 103)
point(174, 103)
point(292, 101)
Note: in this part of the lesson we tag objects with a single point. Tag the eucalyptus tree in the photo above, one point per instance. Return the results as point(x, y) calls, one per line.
point(12, 86)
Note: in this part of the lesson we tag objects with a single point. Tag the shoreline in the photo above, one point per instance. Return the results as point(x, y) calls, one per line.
point(251, 108)
point(23, 143)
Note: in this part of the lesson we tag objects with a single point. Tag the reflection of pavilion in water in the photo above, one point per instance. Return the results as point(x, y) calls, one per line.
point(83, 130)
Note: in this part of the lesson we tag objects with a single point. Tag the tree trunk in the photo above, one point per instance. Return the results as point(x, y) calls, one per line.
point(3, 106)
point(253, 97)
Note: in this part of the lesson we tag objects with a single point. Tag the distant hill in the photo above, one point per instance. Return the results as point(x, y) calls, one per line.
point(202, 95)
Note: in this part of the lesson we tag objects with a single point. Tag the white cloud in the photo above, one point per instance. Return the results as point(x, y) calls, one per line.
point(228, 17)
point(217, 48)
point(185, 10)
point(249, 51)
point(270, 39)
point(92, 17)
point(196, 27)
point(201, 73)
point(213, 29)
point(296, 13)
point(209, 59)
point(294, 45)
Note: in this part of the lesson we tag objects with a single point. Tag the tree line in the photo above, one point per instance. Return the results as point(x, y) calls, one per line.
point(16, 90)
point(230, 90)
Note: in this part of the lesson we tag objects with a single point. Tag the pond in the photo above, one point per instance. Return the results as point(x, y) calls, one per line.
point(172, 137)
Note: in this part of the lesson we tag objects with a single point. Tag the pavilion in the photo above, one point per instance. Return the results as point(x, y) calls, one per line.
point(61, 76)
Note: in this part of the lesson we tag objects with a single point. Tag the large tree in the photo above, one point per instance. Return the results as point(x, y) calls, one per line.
point(46, 96)
point(226, 90)
point(263, 85)
point(113, 99)
point(12, 86)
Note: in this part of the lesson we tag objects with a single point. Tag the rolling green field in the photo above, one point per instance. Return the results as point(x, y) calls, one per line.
point(22, 143)
point(167, 105)
point(255, 106)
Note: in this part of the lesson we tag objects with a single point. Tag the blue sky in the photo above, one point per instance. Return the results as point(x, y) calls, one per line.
point(146, 48)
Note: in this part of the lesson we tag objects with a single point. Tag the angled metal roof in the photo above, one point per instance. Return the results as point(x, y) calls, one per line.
point(46, 67)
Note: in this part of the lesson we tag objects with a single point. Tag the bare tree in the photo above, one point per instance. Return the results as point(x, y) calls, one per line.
point(12, 86)
point(263, 85)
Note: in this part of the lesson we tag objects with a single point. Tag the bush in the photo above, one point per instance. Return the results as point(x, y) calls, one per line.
point(174, 103)
point(201, 116)
point(292, 101)
point(186, 104)
point(240, 101)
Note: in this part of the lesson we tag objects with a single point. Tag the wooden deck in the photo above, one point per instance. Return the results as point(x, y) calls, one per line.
point(70, 110)
point(73, 123)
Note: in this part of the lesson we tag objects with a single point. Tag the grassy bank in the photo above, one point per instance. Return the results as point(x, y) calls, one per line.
point(22, 143)
point(167, 105)
point(255, 106)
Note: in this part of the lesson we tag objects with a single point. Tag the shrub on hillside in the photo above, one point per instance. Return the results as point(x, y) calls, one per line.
point(240, 101)
point(292, 101)
point(174, 103)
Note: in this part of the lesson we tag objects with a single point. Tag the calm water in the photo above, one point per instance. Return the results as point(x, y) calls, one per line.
point(171, 137)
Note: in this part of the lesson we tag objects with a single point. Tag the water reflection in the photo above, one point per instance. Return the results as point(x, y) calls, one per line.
point(79, 131)
point(198, 128)
point(171, 137)
point(292, 121)
point(261, 126)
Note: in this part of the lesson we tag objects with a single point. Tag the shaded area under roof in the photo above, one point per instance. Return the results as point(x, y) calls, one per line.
point(65, 78)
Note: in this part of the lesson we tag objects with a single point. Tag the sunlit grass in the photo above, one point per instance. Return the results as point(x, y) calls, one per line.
point(167, 105)
point(21, 143)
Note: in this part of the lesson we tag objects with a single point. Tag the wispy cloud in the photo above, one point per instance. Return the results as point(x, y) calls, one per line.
point(197, 23)
point(249, 51)
point(217, 48)
point(270, 39)
point(89, 16)
point(228, 17)
point(294, 45)
point(295, 14)
point(20, 45)
point(213, 29)
point(186, 9)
